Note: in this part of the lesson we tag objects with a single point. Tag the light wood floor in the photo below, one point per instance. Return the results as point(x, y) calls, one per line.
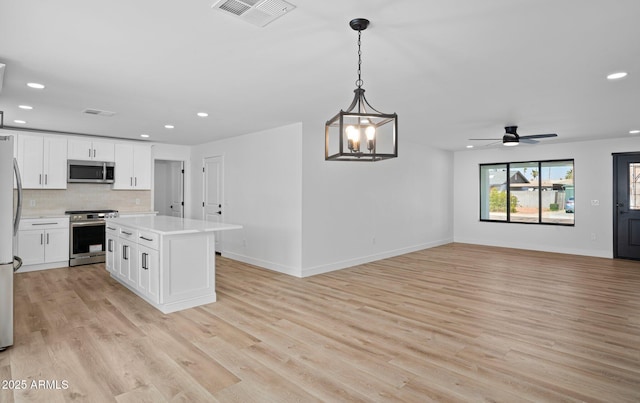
point(452, 323)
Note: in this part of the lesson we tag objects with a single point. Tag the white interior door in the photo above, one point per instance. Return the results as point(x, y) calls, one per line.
point(168, 188)
point(213, 198)
point(176, 188)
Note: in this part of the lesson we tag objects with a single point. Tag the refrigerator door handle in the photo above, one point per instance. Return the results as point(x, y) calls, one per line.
point(16, 219)
point(17, 263)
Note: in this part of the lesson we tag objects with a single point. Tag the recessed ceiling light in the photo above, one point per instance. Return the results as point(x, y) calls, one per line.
point(616, 76)
point(37, 86)
point(203, 114)
point(169, 126)
point(25, 107)
point(634, 131)
point(469, 146)
point(144, 135)
point(21, 122)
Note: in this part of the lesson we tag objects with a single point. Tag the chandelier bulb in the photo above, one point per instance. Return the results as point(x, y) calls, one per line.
point(353, 138)
point(370, 132)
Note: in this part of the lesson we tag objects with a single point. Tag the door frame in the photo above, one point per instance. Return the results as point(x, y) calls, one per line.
point(219, 237)
point(204, 183)
point(615, 157)
point(184, 182)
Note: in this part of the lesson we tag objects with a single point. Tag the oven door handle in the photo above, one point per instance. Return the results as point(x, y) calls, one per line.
point(83, 223)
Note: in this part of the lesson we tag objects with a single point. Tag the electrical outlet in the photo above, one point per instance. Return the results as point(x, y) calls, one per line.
point(137, 201)
point(32, 203)
point(595, 202)
point(593, 236)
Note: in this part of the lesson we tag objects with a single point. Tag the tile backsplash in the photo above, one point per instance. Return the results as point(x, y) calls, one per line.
point(83, 196)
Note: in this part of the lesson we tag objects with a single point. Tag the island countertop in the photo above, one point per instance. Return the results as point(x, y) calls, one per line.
point(168, 225)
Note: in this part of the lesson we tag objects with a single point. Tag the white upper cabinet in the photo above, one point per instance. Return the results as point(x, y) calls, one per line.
point(42, 161)
point(88, 150)
point(133, 167)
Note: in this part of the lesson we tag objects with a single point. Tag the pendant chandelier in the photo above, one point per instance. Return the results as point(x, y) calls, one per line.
point(361, 133)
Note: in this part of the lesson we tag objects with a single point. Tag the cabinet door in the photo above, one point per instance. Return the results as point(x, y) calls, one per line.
point(56, 245)
point(142, 167)
point(55, 163)
point(149, 275)
point(110, 259)
point(31, 247)
point(117, 258)
point(80, 149)
point(30, 151)
point(124, 256)
point(124, 167)
point(128, 262)
point(103, 151)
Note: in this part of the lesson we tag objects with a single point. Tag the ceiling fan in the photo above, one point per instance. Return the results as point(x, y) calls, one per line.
point(512, 138)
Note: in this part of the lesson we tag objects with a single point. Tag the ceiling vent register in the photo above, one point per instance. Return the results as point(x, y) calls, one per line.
point(91, 111)
point(256, 12)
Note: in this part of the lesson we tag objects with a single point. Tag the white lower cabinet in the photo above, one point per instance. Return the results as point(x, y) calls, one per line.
point(128, 264)
point(43, 243)
point(174, 266)
point(112, 262)
point(133, 259)
point(148, 272)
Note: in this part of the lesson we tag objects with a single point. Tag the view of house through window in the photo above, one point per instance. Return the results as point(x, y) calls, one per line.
point(634, 186)
point(528, 192)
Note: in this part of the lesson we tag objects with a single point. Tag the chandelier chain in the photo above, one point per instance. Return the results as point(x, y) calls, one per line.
point(359, 82)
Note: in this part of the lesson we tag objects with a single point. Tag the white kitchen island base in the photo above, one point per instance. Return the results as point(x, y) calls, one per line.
point(167, 261)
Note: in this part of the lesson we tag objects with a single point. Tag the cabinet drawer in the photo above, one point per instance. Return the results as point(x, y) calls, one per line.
point(111, 229)
point(148, 239)
point(127, 233)
point(43, 223)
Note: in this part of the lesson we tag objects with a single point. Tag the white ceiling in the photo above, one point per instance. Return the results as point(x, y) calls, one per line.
point(451, 69)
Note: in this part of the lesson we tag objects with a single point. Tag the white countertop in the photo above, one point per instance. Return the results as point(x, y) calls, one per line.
point(167, 225)
point(39, 216)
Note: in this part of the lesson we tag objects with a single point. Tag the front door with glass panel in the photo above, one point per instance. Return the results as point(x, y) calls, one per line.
point(626, 205)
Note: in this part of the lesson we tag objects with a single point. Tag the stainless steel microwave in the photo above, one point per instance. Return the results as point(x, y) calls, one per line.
point(79, 171)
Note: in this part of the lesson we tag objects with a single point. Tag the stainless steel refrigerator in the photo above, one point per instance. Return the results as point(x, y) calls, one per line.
point(9, 222)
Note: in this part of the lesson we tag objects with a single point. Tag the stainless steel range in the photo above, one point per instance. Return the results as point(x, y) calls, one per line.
point(87, 235)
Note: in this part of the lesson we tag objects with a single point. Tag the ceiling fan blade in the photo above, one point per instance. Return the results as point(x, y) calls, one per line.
point(538, 136)
point(486, 139)
point(528, 140)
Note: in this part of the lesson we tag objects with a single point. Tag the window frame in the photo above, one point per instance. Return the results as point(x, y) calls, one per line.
point(508, 191)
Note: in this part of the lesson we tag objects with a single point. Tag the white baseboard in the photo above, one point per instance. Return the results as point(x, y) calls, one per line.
point(263, 263)
point(538, 247)
point(325, 268)
point(42, 266)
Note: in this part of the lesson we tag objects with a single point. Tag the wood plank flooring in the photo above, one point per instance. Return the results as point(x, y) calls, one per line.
point(453, 323)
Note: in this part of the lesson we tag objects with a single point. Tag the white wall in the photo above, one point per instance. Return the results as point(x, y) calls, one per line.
point(357, 212)
point(262, 192)
point(593, 175)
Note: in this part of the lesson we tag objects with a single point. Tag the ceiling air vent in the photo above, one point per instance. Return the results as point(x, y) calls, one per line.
point(256, 12)
point(91, 111)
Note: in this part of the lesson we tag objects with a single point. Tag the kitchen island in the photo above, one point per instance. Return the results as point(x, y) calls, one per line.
point(167, 261)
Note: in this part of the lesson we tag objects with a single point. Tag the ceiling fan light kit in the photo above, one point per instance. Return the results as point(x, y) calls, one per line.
point(361, 133)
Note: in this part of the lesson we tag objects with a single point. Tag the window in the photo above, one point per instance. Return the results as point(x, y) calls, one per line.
point(634, 186)
point(533, 192)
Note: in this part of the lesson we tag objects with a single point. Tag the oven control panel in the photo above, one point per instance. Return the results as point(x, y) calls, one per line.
point(76, 216)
